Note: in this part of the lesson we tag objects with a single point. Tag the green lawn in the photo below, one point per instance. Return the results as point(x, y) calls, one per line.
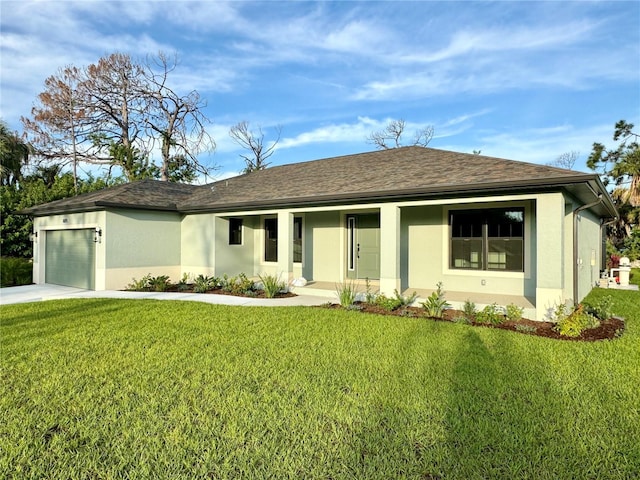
point(142, 389)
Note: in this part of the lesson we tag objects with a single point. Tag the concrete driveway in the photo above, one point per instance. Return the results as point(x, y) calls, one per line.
point(37, 293)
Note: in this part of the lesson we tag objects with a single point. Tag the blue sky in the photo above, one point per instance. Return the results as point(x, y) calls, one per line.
point(521, 80)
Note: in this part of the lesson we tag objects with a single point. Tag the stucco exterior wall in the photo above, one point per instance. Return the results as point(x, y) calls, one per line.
point(140, 243)
point(235, 259)
point(197, 235)
point(323, 247)
point(589, 252)
point(90, 220)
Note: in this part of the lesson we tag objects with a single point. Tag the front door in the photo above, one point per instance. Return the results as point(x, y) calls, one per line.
point(363, 246)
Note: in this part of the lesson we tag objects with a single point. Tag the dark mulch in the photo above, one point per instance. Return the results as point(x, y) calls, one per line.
point(219, 291)
point(608, 329)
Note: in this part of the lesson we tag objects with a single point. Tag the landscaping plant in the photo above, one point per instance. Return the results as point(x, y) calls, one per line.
point(272, 285)
point(161, 283)
point(490, 315)
point(346, 293)
point(436, 304)
point(15, 271)
point(514, 312)
point(203, 283)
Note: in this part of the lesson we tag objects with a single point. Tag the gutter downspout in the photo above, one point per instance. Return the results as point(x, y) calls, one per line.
point(576, 212)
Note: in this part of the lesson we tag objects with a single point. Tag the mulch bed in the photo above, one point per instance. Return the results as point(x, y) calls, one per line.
point(219, 291)
point(608, 329)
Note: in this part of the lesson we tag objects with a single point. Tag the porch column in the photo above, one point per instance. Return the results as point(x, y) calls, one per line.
point(550, 253)
point(389, 249)
point(285, 245)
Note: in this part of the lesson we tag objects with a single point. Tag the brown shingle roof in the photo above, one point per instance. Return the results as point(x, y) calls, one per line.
point(384, 174)
point(145, 194)
point(379, 174)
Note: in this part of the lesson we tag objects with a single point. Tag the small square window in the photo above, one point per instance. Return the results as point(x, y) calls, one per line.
point(235, 231)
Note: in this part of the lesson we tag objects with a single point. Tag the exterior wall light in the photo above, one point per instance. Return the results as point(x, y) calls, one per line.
point(98, 236)
point(34, 237)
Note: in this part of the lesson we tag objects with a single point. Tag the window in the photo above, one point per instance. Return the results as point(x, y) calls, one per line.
point(271, 240)
point(235, 231)
point(297, 239)
point(491, 239)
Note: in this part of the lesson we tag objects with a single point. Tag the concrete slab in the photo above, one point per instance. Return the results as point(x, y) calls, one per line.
point(36, 293)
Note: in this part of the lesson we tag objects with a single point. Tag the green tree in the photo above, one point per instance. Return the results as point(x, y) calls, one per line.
point(14, 154)
point(46, 185)
point(621, 164)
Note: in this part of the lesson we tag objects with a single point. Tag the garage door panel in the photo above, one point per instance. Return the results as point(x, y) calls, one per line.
point(70, 258)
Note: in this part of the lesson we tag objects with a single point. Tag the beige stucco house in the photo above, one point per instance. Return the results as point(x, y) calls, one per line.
point(492, 230)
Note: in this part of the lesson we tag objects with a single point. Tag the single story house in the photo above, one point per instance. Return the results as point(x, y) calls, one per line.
point(492, 230)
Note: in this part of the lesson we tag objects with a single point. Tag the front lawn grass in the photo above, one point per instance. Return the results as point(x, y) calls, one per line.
point(164, 389)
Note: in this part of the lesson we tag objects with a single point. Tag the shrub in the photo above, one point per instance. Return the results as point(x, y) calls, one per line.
point(244, 285)
point(140, 285)
point(271, 284)
point(388, 303)
point(469, 309)
point(161, 283)
point(346, 293)
point(601, 308)
point(15, 271)
point(463, 319)
point(490, 315)
point(574, 323)
point(184, 282)
point(239, 285)
point(436, 304)
point(203, 283)
point(514, 312)
point(520, 327)
point(369, 296)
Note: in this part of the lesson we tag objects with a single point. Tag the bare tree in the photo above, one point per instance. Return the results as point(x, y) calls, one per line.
point(254, 143)
point(177, 120)
point(391, 136)
point(113, 113)
point(565, 160)
point(59, 126)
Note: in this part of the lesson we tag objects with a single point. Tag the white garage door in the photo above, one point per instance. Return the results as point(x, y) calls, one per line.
point(70, 258)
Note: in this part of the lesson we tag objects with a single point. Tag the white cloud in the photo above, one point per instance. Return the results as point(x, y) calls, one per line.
point(539, 145)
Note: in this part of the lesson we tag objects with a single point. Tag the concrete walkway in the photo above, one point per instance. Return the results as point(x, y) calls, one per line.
point(37, 293)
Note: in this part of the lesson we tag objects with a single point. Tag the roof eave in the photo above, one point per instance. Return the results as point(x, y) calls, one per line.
point(386, 195)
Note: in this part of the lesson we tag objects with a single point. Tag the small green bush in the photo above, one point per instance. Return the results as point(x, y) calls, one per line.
point(203, 283)
point(436, 304)
point(184, 283)
point(369, 296)
point(15, 271)
point(463, 319)
point(576, 322)
point(601, 308)
point(514, 312)
point(161, 283)
point(388, 303)
point(238, 285)
point(346, 294)
point(271, 284)
point(525, 328)
point(490, 315)
point(469, 309)
point(141, 285)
